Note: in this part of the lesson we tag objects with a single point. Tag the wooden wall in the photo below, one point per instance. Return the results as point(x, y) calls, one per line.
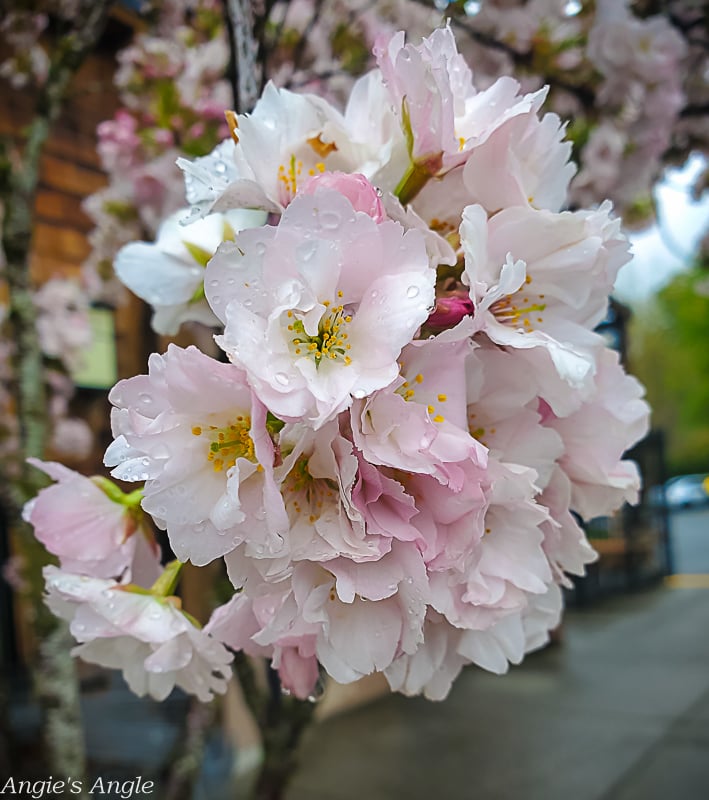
point(70, 171)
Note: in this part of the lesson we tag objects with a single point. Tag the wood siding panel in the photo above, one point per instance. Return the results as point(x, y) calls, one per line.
point(69, 177)
point(59, 208)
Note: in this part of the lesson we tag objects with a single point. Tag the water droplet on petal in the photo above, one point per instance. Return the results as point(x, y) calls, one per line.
point(359, 393)
point(214, 283)
point(145, 398)
point(282, 378)
point(259, 248)
point(412, 291)
point(330, 220)
point(305, 251)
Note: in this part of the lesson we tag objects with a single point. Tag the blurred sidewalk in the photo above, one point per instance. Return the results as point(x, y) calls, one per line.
point(618, 711)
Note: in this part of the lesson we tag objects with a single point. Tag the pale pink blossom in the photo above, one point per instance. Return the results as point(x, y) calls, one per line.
point(147, 637)
point(169, 273)
point(565, 542)
point(287, 139)
point(446, 649)
point(63, 321)
point(441, 113)
point(92, 526)
point(193, 430)
point(72, 437)
point(539, 279)
point(503, 414)
point(355, 187)
point(237, 624)
point(418, 423)
point(523, 162)
point(600, 479)
point(317, 309)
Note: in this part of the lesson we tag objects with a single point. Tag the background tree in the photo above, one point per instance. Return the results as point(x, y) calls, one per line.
point(669, 353)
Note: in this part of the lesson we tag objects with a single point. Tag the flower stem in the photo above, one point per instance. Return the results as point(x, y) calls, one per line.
point(282, 726)
point(165, 585)
point(413, 180)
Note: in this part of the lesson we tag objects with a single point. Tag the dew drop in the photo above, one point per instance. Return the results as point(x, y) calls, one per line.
point(259, 248)
point(359, 393)
point(306, 251)
point(282, 378)
point(145, 398)
point(217, 298)
point(330, 220)
point(318, 691)
point(214, 283)
point(412, 291)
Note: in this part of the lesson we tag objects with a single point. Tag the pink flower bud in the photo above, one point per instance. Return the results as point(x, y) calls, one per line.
point(450, 310)
point(356, 188)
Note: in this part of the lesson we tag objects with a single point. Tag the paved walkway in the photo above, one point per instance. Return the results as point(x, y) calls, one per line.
point(619, 711)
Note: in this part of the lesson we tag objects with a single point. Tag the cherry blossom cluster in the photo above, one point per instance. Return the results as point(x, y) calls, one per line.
point(632, 87)
point(173, 92)
point(619, 76)
point(413, 411)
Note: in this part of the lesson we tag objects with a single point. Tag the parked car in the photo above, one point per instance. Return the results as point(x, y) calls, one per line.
point(687, 491)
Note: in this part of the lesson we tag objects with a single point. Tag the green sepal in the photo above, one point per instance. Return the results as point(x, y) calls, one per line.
point(112, 491)
point(191, 619)
point(406, 125)
point(132, 588)
point(198, 295)
point(165, 585)
point(200, 255)
point(228, 233)
point(420, 170)
point(417, 176)
point(273, 424)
